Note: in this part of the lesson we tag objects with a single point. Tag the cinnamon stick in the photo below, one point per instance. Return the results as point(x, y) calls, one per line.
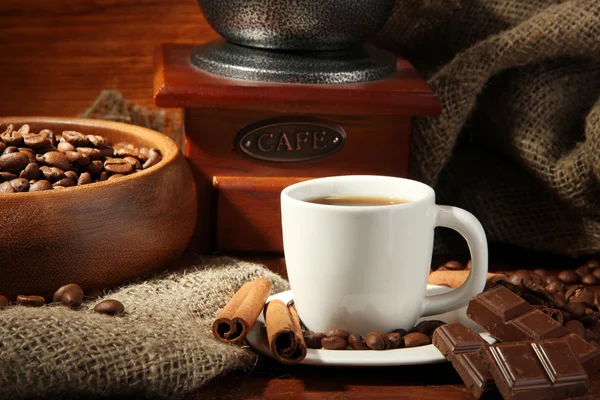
point(284, 332)
point(453, 279)
point(239, 315)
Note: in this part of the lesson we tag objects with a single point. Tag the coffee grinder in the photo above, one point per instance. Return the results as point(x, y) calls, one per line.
point(291, 92)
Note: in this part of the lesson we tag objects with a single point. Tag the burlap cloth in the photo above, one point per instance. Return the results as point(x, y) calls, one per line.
point(161, 347)
point(518, 144)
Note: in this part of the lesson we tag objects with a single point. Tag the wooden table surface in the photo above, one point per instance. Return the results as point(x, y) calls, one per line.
point(56, 58)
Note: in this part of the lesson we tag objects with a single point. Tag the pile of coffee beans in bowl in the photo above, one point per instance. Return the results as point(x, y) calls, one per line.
point(35, 161)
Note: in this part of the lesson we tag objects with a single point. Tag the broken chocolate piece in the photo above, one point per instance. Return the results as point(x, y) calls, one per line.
point(546, 369)
point(459, 344)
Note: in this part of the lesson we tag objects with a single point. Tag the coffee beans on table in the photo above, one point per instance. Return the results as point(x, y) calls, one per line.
point(30, 301)
point(31, 162)
point(109, 307)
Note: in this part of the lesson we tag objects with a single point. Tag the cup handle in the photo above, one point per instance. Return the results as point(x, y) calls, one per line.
point(470, 228)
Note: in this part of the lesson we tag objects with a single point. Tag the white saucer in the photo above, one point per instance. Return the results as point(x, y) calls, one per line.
point(412, 356)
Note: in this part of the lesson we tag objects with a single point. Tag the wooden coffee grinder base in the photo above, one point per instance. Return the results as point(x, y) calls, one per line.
point(247, 140)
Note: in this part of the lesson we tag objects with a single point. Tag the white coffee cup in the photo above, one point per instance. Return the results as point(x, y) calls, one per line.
point(365, 268)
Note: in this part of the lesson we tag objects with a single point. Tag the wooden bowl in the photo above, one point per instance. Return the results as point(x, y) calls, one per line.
point(101, 234)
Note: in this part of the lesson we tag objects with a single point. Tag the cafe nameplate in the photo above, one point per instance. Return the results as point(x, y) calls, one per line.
point(294, 139)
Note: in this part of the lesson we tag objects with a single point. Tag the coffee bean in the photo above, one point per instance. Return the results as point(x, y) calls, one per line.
point(416, 339)
point(11, 149)
point(377, 340)
point(30, 301)
point(579, 293)
point(568, 276)
point(103, 176)
point(85, 179)
point(95, 167)
point(551, 278)
point(452, 266)
point(13, 162)
point(576, 327)
point(3, 301)
point(593, 264)
point(75, 138)
point(36, 140)
point(135, 163)
point(555, 287)
point(24, 129)
point(52, 174)
point(90, 152)
point(154, 157)
point(11, 137)
point(583, 270)
point(395, 340)
point(64, 182)
point(7, 176)
point(98, 141)
point(40, 185)
point(72, 297)
point(334, 343)
point(31, 171)
point(357, 342)
point(65, 147)
point(72, 175)
point(589, 279)
point(123, 151)
point(338, 332)
point(56, 159)
point(313, 340)
point(108, 152)
point(427, 327)
point(576, 310)
point(110, 307)
point(61, 290)
point(77, 159)
point(30, 155)
point(20, 184)
point(118, 166)
point(6, 187)
point(542, 273)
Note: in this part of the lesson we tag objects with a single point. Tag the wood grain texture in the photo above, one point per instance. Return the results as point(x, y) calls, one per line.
point(101, 234)
point(58, 55)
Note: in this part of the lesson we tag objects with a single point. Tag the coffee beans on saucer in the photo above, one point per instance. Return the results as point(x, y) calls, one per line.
point(338, 339)
point(32, 162)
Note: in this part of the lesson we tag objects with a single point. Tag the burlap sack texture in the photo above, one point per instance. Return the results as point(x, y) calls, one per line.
point(518, 141)
point(161, 347)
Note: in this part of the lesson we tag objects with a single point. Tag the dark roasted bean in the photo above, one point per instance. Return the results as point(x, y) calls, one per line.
point(30, 301)
point(551, 278)
point(427, 327)
point(20, 184)
point(589, 279)
point(77, 139)
point(72, 297)
point(154, 158)
point(56, 159)
point(416, 339)
point(357, 342)
point(3, 301)
point(95, 167)
point(395, 340)
point(61, 290)
point(7, 176)
point(452, 266)
point(90, 152)
point(31, 171)
point(14, 162)
point(6, 187)
point(64, 182)
point(334, 343)
point(583, 270)
point(85, 178)
point(37, 140)
point(78, 159)
point(542, 273)
point(40, 185)
point(64, 147)
point(519, 277)
point(11, 137)
point(338, 332)
point(377, 340)
point(313, 340)
point(568, 276)
point(72, 175)
point(575, 310)
point(110, 307)
point(555, 287)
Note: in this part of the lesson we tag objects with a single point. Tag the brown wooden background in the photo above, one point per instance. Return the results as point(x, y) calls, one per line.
point(57, 55)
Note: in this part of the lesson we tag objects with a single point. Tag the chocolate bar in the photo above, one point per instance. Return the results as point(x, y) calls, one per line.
point(546, 369)
point(460, 346)
point(509, 318)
